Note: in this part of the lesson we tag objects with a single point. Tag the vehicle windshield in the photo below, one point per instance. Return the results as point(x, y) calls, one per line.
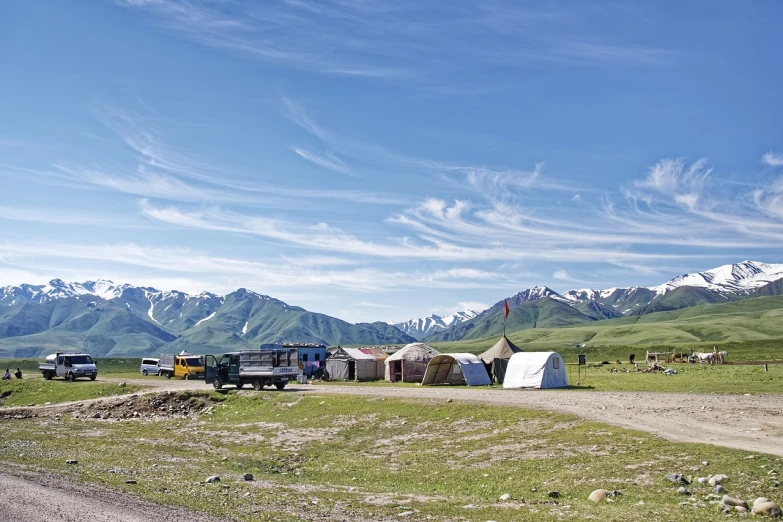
point(80, 359)
point(194, 361)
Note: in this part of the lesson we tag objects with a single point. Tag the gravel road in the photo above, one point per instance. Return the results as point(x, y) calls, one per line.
point(38, 497)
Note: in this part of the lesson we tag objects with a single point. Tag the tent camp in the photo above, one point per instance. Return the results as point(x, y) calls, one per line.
point(456, 368)
point(351, 364)
point(409, 363)
point(536, 370)
point(380, 358)
point(496, 358)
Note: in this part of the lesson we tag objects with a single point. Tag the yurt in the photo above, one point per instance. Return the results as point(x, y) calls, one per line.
point(456, 368)
point(536, 370)
point(351, 364)
point(496, 358)
point(409, 363)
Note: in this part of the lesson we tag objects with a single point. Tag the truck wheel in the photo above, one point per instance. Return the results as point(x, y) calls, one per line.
point(92, 377)
point(168, 375)
point(217, 383)
point(187, 376)
point(71, 377)
point(257, 384)
point(144, 373)
point(280, 385)
point(239, 385)
point(48, 376)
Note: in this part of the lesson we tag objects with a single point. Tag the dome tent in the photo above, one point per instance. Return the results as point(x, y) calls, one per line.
point(409, 363)
point(536, 370)
point(456, 368)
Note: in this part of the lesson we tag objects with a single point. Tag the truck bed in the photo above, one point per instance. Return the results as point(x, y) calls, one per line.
point(46, 366)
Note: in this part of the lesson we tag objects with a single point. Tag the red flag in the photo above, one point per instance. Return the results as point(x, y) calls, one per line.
point(505, 309)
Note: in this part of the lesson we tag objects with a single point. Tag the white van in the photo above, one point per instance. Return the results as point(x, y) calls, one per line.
point(150, 365)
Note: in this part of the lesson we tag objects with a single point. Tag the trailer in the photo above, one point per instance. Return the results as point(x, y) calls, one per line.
point(257, 368)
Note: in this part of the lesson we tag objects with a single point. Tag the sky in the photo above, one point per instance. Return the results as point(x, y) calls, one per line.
point(376, 160)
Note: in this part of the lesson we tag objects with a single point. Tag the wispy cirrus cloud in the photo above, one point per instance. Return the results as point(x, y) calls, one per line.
point(329, 161)
point(353, 38)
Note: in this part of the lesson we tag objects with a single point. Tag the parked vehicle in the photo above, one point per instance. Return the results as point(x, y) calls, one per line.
point(258, 368)
point(68, 365)
point(150, 366)
point(182, 366)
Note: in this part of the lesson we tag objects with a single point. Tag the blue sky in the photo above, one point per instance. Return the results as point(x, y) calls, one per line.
point(386, 160)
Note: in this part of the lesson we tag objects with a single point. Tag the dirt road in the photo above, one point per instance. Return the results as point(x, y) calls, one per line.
point(753, 423)
point(39, 497)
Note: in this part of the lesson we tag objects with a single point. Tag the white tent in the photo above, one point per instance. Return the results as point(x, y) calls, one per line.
point(536, 370)
point(456, 368)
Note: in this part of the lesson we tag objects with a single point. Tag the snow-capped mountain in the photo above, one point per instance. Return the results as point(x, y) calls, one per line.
point(421, 328)
point(734, 279)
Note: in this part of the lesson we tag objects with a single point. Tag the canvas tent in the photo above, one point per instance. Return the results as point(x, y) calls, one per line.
point(351, 364)
point(496, 358)
point(456, 368)
point(536, 370)
point(409, 363)
point(380, 358)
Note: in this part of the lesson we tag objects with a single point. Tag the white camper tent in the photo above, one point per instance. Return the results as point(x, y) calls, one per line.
point(456, 368)
point(536, 370)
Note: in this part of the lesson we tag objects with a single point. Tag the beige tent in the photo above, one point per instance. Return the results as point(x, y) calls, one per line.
point(410, 363)
point(496, 358)
point(351, 364)
point(456, 368)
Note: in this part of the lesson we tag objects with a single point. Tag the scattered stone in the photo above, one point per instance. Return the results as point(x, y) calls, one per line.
point(71, 461)
point(212, 479)
point(469, 506)
point(248, 476)
point(701, 480)
point(769, 509)
point(740, 509)
point(505, 496)
point(682, 491)
point(717, 479)
point(599, 494)
point(705, 463)
point(677, 478)
point(553, 494)
point(131, 481)
point(405, 514)
point(772, 472)
point(449, 400)
point(122, 384)
point(640, 503)
point(96, 415)
point(719, 490)
point(731, 501)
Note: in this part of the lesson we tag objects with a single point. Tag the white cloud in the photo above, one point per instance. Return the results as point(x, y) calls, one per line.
point(330, 161)
point(772, 159)
point(562, 275)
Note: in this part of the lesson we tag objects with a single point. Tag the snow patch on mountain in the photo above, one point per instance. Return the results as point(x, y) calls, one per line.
point(424, 326)
point(207, 318)
point(735, 278)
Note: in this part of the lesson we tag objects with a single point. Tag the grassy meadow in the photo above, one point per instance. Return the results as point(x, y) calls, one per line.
point(331, 457)
point(38, 392)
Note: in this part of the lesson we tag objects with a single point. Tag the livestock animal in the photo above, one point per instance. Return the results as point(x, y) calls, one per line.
point(720, 357)
point(703, 357)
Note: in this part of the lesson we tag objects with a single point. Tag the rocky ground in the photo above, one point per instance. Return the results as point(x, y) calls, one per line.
point(753, 423)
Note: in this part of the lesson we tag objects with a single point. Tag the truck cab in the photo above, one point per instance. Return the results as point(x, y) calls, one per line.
point(68, 365)
point(182, 366)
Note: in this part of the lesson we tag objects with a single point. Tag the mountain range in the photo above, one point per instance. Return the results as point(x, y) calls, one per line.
point(124, 320)
point(118, 320)
point(542, 307)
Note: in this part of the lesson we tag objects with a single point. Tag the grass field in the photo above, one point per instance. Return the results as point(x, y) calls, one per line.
point(332, 457)
point(38, 391)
